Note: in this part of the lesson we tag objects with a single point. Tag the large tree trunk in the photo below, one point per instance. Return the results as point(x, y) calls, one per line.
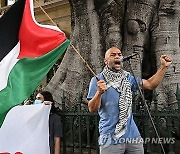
point(73, 77)
point(165, 40)
point(150, 27)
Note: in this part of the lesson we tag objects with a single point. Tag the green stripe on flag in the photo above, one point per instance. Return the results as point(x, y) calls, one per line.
point(24, 78)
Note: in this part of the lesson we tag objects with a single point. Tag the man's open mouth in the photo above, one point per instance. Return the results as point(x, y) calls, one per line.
point(117, 62)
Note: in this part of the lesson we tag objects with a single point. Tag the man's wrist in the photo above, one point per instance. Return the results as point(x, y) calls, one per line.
point(163, 66)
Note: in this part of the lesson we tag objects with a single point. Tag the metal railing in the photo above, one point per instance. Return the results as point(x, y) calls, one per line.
point(80, 129)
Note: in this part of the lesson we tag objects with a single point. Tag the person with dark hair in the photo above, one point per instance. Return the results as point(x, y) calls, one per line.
point(55, 126)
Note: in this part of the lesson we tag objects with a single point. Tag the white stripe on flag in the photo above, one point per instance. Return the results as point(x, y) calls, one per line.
point(7, 64)
point(26, 129)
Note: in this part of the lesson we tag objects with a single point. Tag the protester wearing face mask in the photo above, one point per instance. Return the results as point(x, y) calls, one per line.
point(55, 126)
point(44, 97)
point(39, 99)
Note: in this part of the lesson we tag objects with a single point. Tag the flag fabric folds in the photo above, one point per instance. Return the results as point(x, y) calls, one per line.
point(28, 50)
point(27, 132)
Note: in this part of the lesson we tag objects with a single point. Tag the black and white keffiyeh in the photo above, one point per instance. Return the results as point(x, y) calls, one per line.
point(118, 80)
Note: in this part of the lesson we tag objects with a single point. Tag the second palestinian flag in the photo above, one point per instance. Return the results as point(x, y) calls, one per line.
point(28, 50)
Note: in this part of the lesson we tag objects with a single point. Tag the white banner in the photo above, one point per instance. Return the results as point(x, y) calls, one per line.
point(26, 130)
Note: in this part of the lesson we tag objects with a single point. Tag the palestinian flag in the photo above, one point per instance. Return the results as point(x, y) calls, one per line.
point(28, 51)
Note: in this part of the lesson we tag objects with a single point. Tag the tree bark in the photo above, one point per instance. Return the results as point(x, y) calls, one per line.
point(73, 77)
point(165, 40)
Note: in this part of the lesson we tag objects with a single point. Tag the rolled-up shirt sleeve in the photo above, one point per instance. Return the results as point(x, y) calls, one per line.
point(132, 81)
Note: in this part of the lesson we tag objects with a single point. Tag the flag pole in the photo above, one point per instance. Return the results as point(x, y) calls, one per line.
point(87, 65)
point(84, 62)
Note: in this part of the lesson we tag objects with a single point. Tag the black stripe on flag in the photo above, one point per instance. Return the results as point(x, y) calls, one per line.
point(9, 27)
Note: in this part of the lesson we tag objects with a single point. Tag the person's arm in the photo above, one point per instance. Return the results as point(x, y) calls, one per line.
point(57, 133)
point(155, 80)
point(57, 141)
point(95, 103)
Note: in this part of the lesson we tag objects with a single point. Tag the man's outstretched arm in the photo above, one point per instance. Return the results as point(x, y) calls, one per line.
point(155, 80)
